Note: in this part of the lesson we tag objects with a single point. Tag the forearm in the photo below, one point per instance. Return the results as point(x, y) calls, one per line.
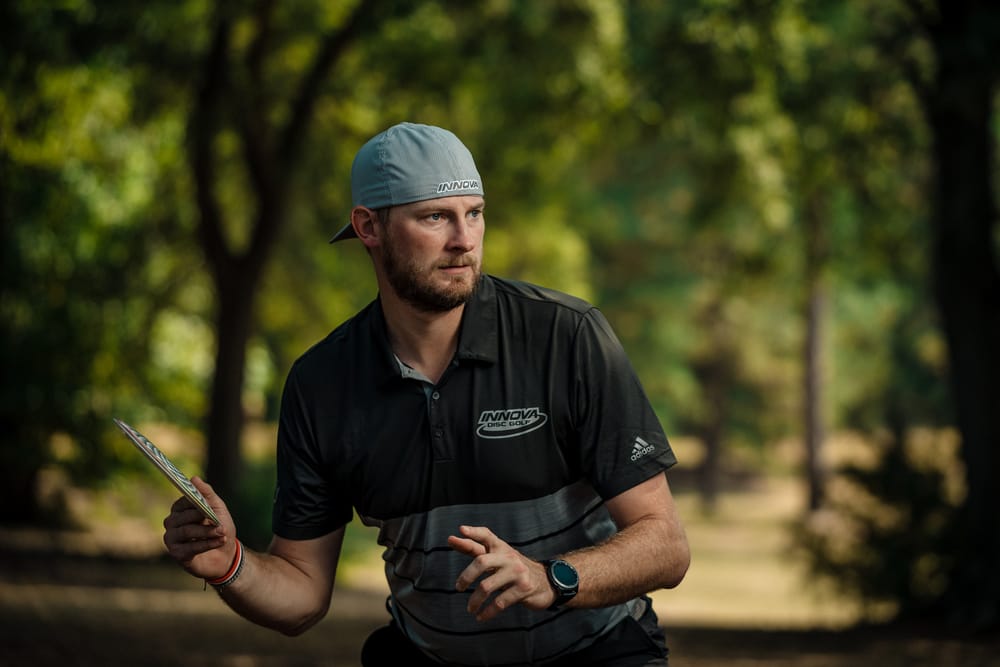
point(648, 555)
point(648, 552)
point(287, 589)
point(273, 592)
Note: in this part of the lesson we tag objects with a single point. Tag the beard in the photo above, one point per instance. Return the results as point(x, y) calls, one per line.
point(415, 286)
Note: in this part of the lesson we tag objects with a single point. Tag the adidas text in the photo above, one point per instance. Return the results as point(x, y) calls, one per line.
point(641, 448)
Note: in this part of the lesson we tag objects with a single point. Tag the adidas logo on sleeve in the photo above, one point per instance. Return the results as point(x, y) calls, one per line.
point(640, 448)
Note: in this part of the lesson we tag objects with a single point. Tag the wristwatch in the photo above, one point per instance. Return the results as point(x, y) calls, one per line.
point(564, 580)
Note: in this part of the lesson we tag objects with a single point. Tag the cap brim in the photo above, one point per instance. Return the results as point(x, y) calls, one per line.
point(346, 233)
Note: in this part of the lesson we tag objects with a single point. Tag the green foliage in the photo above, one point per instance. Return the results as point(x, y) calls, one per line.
point(889, 532)
point(251, 508)
point(695, 168)
point(888, 536)
point(81, 233)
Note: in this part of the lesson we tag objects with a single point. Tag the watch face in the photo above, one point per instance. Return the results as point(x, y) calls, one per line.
point(564, 574)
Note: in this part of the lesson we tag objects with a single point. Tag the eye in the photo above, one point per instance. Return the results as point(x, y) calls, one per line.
point(435, 216)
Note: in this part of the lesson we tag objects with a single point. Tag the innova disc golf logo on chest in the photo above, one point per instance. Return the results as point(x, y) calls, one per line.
point(509, 423)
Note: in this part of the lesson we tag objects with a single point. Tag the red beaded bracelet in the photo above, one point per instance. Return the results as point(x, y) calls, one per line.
point(234, 570)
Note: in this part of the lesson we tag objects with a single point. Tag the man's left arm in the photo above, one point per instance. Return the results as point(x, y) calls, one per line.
point(649, 551)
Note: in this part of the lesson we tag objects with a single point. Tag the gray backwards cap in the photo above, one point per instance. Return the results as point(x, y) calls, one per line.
point(409, 163)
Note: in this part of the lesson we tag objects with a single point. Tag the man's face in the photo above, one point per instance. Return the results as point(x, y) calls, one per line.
point(432, 251)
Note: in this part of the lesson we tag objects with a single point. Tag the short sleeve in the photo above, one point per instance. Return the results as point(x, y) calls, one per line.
point(621, 439)
point(307, 503)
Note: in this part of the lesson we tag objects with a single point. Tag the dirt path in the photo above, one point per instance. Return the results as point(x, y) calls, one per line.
point(64, 610)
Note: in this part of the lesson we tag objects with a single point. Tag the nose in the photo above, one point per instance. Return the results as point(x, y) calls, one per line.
point(463, 236)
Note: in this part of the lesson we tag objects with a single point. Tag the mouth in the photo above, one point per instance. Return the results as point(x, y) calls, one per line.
point(456, 267)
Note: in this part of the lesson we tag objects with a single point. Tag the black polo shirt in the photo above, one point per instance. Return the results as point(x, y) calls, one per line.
point(539, 419)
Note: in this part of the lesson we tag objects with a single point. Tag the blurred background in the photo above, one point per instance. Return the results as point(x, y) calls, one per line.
point(786, 209)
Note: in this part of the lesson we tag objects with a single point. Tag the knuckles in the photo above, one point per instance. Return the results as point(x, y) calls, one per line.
point(487, 587)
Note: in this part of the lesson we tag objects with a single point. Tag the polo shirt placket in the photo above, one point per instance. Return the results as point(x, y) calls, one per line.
point(439, 438)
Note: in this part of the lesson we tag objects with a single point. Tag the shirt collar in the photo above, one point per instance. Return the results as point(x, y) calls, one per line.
point(386, 368)
point(477, 339)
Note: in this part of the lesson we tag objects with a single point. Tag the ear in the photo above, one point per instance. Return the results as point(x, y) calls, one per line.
point(365, 223)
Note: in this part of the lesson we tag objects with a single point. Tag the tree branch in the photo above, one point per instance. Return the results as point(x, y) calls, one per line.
point(254, 130)
point(271, 176)
point(201, 134)
point(259, 46)
point(915, 20)
point(924, 13)
point(305, 100)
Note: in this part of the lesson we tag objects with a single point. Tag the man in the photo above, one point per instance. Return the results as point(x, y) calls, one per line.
point(493, 430)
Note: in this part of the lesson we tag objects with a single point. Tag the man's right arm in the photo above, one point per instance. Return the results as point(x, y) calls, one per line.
point(288, 588)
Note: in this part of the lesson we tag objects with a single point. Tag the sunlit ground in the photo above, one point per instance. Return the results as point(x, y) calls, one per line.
point(104, 595)
point(745, 571)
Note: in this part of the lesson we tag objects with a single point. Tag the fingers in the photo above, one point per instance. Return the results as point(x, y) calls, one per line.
point(476, 542)
point(189, 526)
point(204, 487)
point(505, 576)
point(467, 547)
point(212, 498)
point(480, 565)
point(183, 513)
point(186, 552)
point(483, 536)
point(208, 492)
point(187, 533)
point(202, 548)
point(507, 585)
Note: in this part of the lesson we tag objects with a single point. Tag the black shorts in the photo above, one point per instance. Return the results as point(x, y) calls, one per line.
point(634, 642)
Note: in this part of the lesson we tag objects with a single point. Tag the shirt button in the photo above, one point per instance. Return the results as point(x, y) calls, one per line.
point(435, 395)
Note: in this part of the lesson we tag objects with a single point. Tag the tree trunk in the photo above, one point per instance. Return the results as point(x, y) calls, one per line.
point(959, 106)
point(715, 373)
point(814, 428)
point(816, 254)
point(270, 153)
point(234, 322)
point(710, 470)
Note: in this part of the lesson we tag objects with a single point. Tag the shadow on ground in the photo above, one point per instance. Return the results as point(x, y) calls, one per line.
point(63, 609)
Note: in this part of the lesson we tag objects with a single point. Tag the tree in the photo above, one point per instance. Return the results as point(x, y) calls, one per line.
point(936, 553)
point(959, 101)
point(78, 197)
point(245, 98)
point(703, 197)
